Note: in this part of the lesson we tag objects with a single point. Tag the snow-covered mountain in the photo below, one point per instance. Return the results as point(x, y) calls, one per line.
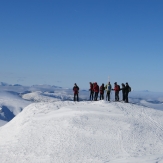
point(89, 132)
point(42, 124)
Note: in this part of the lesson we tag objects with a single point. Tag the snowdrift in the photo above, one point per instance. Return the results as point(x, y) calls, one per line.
point(84, 132)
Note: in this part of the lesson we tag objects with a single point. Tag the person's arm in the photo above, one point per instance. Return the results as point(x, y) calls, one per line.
point(90, 88)
point(105, 87)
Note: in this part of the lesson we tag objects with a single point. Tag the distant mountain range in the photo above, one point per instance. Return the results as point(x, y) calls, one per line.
point(3, 84)
point(37, 85)
point(6, 84)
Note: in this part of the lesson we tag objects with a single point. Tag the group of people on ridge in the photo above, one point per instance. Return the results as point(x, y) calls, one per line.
point(95, 89)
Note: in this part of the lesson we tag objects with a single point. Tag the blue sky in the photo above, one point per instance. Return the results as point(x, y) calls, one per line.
point(60, 42)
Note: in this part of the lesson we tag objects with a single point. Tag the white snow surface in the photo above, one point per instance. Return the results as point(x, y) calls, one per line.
point(83, 132)
point(49, 127)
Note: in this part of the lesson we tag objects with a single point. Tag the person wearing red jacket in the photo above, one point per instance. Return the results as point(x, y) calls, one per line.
point(102, 89)
point(96, 90)
point(116, 89)
point(91, 91)
point(76, 92)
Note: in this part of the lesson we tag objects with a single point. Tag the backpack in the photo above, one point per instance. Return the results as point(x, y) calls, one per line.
point(129, 89)
point(109, 87)
point(76, 89)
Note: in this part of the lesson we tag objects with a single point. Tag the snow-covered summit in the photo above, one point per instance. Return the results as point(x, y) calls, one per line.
point(84, 132)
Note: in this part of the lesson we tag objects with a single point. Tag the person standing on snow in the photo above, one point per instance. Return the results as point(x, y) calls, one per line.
point(108, 89)
point(91, 91)
point(127, 90)
point(123, 91)
point(102, 89)
point(76, 92)
point(96, 90)
point(116, 89)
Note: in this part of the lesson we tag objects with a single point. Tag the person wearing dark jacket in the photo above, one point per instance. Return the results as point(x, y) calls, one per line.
point(91, 91)
point(96, 90)
point(102, 89)
point(123, 91)
point(116, 89)
point(127, 90)
point(76, 92)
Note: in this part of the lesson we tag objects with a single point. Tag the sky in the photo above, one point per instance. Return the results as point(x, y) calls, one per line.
point(60, 42)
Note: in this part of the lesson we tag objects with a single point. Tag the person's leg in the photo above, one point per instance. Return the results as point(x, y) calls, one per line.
point(116, 96)
point(74, 96)
point(95, 96)
point(102, 96)
point(77, 97)
point(127, 97)
point(90, 97)
point(108, 96)
point(123, 96)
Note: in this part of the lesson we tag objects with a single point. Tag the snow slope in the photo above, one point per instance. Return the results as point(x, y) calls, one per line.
point(83, 132)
